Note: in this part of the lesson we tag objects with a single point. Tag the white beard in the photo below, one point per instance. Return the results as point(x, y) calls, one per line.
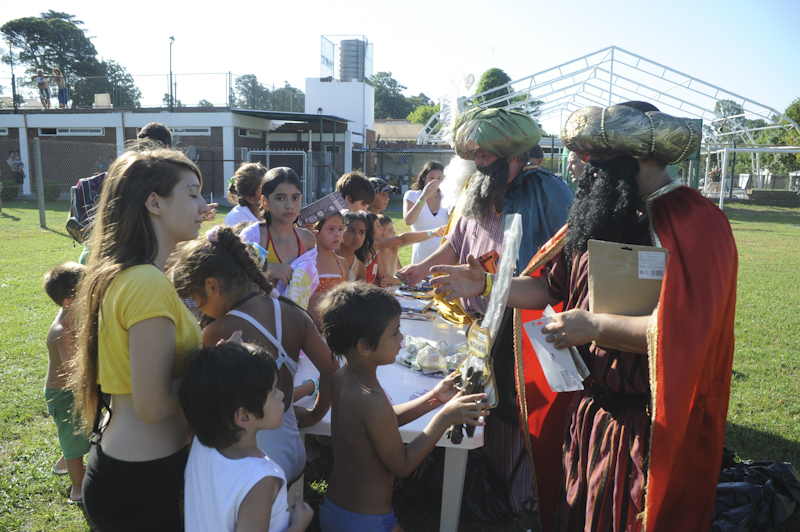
point(454, 179)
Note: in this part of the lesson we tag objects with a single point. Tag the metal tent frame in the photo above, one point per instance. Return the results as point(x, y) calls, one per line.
point(613, 75)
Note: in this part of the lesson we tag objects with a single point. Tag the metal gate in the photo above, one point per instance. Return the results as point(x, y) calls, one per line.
point(296, 160)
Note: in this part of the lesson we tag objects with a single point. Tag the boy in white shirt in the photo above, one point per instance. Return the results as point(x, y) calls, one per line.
point(228, 394)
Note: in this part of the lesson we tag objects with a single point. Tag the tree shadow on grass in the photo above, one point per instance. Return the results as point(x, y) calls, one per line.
point(774, 215)
point(12, 218)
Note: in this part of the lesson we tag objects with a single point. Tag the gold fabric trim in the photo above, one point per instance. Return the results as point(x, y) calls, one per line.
point(652, 351)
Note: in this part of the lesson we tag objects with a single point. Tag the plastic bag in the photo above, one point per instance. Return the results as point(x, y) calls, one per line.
point(755, 497)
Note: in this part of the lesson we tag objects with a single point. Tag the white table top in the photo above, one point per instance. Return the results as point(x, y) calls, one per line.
point(401, 383)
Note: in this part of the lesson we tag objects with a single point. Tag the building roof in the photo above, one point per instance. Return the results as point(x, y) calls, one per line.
point(290, 117)
point(398, 131)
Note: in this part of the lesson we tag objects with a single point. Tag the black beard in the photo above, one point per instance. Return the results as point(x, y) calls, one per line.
point(486, 189)
point(605, 205)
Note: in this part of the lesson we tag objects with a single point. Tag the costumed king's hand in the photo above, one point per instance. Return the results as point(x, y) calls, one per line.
point(464, 280)
point(411, 275)
point(210, 215)
point(573, 327)
point(281, 272)
point(431, 187)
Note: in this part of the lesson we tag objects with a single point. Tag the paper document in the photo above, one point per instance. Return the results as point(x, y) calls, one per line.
point(557, 364)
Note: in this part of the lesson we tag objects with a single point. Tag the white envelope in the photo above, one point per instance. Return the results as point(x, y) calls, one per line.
point(558, 365)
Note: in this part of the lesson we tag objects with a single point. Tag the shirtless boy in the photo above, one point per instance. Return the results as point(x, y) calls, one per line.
point(361, 322)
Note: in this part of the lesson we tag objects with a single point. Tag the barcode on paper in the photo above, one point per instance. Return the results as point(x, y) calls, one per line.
point(652, 264)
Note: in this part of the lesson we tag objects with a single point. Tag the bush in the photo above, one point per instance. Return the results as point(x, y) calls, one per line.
point(10, 190)
point(52, 190)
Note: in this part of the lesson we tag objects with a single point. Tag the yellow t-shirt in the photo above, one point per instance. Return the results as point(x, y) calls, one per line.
point(139, 293)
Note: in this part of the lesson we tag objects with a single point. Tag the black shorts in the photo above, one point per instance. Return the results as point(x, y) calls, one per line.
point(135, 496)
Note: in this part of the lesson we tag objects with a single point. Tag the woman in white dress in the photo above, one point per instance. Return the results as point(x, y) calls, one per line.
point(244, 191)
point(422, 209)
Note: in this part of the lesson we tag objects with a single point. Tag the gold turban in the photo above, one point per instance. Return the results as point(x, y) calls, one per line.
point(628, 131)
point(499, 131)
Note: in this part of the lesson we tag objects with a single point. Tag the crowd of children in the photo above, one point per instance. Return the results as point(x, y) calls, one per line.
point(198, 427)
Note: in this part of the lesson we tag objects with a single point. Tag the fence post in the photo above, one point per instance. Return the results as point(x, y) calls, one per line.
point(37, 154)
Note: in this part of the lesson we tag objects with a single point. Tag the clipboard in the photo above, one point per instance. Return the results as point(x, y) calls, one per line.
point(625, 279)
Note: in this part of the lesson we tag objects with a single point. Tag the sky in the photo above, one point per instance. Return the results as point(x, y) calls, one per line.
point(750, 48)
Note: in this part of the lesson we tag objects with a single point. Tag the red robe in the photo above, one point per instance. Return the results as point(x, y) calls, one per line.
point(690, 357)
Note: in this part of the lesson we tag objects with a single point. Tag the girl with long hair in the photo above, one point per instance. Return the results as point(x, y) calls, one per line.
point(134, 335)
point(220, 274)
point(331, 267)
point(422, 209)
point(281, 198)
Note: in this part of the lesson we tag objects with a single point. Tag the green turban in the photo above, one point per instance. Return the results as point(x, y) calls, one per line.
point(499, 131)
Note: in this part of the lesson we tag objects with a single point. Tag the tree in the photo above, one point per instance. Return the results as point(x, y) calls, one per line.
point(494, 77)
point(175, 102)
point(111, 78)
point(420, 99)
point(389, 100)
point(55, 40)
point(249, 93)
point(204, 103)
point(422, 114)
point(288, 99)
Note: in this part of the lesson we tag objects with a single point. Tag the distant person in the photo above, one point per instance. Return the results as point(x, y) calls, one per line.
point(357, 191)
point(389, 243)
point(361, 324)
point(44, 88)
point(61, 284)
point(244, 192)
point(536, 157)
point(422, 209)
point(357, 231)
point(17, 167)
point(158, 132)
point(58, 77)
point(230, 393)
point(382, 190)
point(330, 266)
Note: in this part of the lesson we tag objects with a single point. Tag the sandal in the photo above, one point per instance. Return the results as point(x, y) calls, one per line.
point(58, 471)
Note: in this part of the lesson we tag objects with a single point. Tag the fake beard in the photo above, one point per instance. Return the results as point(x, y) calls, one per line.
point(454, 180)
point(486, 189)
point(605, 206)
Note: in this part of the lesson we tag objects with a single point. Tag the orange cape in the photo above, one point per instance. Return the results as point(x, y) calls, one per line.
point(690, 341)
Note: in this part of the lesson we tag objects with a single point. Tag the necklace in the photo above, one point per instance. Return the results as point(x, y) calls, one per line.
point(243, 300)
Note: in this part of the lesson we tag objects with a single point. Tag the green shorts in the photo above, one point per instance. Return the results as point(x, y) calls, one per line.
point(59, 405)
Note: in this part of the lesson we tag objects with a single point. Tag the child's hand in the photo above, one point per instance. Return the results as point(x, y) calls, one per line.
point(384, 282)
point(465, 409)
point(281, 272)
point(440, 232)
point(210, 215)
point(302, 514)
point(444, 391)
point(235, 337)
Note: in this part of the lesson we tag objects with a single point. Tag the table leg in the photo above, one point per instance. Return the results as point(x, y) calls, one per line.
point(455, 466)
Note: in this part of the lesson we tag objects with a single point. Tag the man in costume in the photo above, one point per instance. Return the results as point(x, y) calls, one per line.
point(643, 441)
point(499, 141)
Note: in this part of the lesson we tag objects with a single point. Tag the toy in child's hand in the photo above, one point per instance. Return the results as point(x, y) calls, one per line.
point(473, 384)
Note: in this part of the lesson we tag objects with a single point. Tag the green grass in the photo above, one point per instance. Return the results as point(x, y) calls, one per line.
point(763, 420)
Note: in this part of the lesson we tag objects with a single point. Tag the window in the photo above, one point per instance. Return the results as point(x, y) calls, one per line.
point(191, 131)
point(251, 133)
point(3, 131)
point(330, 148)
point(73, 131)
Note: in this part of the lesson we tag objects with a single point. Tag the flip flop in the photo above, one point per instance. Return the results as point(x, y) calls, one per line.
point(57, 471)
point(79, 502)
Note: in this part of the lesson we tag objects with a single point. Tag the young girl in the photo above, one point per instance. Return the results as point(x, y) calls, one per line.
point(375, 273)
point(281, 198)
point(332, 269)
point(245, 192)
point(134, 334)
point(356, 231)
point(221, 275)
